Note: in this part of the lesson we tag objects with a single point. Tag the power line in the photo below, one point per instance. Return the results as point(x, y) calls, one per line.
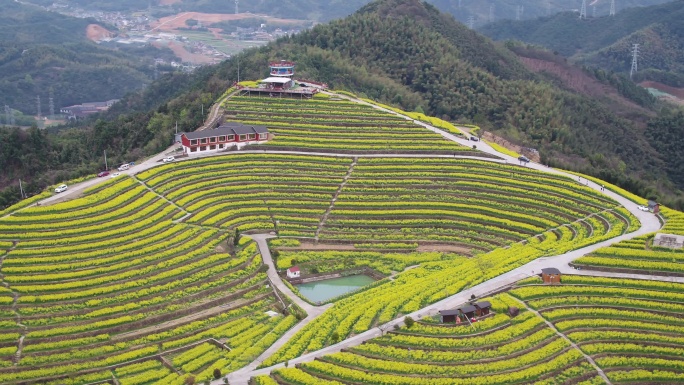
point(612, 7)
point(635, 57)
point(583, 10)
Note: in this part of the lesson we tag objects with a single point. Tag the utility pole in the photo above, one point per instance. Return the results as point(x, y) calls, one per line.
point(105, 155)
point(8, 118)
point(583, 10)
point(635, 56)
point(38, 105)
point(176, 127)
point(238, 68)
point(491, 13)
point(612, 7)
point(471, 22)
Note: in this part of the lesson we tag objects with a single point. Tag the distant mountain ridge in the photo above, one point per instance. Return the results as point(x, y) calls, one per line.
point(325, 10)
point(607, 42)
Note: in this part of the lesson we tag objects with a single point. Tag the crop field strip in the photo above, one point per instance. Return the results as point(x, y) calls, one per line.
point(639, 255)
point(128, 285)
point(496, 350)
point(632, 328)
point(457, 201)
point(337, 125)
point(253, 192)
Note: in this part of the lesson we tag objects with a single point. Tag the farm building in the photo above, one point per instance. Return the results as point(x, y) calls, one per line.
point(670, 241)
point(225, 136)
point(293, 272)
point(448, 316)
point(281, 83)
point(551, 275)
point(482, 308)
point(653, 207)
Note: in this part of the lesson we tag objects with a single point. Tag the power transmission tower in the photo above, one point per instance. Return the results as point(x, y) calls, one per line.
point(593, 11)
point(459, 4)
point(548, 8)
point(612, 7)
point(583, 10)
point(491, 13)
point(236, 6)
point(471, 22)
point(38, 106)
point(519, 12)
point(52, 104)
point(635, 56)
point(7, 115)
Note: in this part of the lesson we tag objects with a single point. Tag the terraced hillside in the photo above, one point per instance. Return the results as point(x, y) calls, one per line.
point(97, 282)
point(144, 279)
point(339, 125)
point(630, 328)
point(497, 350)
point(640, 255)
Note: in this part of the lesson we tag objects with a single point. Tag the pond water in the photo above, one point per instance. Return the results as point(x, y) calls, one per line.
point(321, 291)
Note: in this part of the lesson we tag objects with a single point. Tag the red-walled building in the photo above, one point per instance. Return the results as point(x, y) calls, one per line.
point(227, 135)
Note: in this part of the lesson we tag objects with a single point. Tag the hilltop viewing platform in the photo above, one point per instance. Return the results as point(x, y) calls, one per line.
point(282, 84)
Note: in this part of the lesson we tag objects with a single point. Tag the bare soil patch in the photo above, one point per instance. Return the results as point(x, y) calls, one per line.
point(183, 54)
point(444, 249)
point(174, 22)
point(96, 32)
point(678, 92)
point(577, 80)
point(325, 246)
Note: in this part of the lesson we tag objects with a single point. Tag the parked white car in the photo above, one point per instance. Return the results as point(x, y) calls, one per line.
point(124, 167)
point(61, 188)
point(643, 208)
point(168, 159)
point(115, 175)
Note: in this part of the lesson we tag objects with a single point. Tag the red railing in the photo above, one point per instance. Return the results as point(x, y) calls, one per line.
point(282, 64)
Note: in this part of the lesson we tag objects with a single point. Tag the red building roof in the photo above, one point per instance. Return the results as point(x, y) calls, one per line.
point(293, 269)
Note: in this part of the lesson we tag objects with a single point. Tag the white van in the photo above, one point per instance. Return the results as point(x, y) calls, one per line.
point(124, 167)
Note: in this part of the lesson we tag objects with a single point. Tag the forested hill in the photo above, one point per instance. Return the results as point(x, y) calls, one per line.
point(42, 51)
point(404, 52)
point(607, 41)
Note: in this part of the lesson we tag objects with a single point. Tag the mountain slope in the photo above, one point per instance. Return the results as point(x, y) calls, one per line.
point(607, 41)
point(42, 50)
point(406, 53)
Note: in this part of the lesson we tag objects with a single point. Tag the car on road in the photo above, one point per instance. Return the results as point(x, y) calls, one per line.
point(643, 208)
point(168, 159)
point(115, 175)
point(474, 138)
point(124, 167)
point(61, 188)
point(103, 173)
point(523, 158)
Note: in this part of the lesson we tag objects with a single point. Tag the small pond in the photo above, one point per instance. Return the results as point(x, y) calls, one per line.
point(321, 291)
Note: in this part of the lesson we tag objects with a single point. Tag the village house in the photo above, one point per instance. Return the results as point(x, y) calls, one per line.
point(227, 135)
point(293, 272)
point(551, 275)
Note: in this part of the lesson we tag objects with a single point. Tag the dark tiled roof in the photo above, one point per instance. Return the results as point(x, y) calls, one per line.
point(550, 270)
point(228, 128)
point(483, 304)
point(467, 308)
point(449, 312)
point(652, 203)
